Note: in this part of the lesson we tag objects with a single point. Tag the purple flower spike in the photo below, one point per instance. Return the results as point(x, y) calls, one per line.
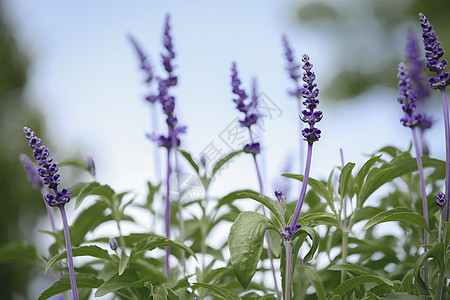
point(407, 98)
point(310, 92)
point(48, 170)
point(143, 60)
point(440, 200)
point(433, 54)
point(167, 58)
point(292, 66)
point(416, 65)
point(31, 170)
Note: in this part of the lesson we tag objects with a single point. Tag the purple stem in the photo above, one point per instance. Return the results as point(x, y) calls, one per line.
point(304, 185)
point(73, 282)
point(424, 196)
point(447, 150)
point(167, 213)
point(156, 154)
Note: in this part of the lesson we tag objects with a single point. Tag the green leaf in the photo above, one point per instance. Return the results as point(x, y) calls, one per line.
point(272, 205)
point(87, 220)
point(191, 161)
point(217, 291)
point(354, 282)
point(401, 214)
point(82, 164)
point(358, 269)
point(364, 170)
point(92, 189)
point(315, 238)
point(344, 178)
point(158, 292)
point(401, 296)
point(19, 252)
point(437, 252)
point(246, 244)
point(123, 263)
point(314, 216)
point(129, 278)
point(92, 250)
point(155, 241)
point(224, 160)
point(318, 186)
point(84, 280)
point(317, 282)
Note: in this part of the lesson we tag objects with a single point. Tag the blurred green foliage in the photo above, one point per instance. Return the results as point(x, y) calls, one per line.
point(370, 38)
point(21, 205)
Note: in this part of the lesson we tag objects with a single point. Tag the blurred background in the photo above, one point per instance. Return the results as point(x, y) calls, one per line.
point(68, 71)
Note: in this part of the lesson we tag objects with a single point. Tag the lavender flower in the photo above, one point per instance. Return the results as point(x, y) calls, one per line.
point(247, 106)
point(167, 58)
point(292, 66)
point(143, 60)
point(440, 200)
point(433, 54)
point(415, 67)
point(310, 93)
point(31, 171)
point(48, 170)
point(407, 98)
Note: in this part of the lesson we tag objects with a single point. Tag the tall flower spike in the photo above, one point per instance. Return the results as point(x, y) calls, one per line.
point(31, 170)
point(310, 93)
point(143, 60)
point(167, 58)
point(292, 66)
point(415, 66)
point(433, 54)
point(407, 98)
point(48, 170)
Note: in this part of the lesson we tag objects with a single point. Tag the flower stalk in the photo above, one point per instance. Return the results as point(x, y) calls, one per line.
point(48, 171)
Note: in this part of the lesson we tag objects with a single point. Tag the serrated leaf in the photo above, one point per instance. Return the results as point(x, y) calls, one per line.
point(245, 242)
point(20, 252)
point(217, 291)
point(92, 251)
point(401, 214)
point(354, 282)
point(224, 160)
point(83, 280)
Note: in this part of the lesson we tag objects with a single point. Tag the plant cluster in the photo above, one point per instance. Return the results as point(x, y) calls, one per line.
point(322, 245)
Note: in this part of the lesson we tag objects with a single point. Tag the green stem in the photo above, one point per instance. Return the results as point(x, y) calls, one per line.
point(344, 251)
point(287, 270)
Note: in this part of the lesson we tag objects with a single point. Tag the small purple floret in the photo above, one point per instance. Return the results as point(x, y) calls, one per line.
point(440, 200)
point(253, 148)
point(113, 243)
point(433, 54)
point(48, 170)
point(310, 92)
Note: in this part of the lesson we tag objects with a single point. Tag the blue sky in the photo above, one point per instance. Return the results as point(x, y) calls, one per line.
point(85, 73)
